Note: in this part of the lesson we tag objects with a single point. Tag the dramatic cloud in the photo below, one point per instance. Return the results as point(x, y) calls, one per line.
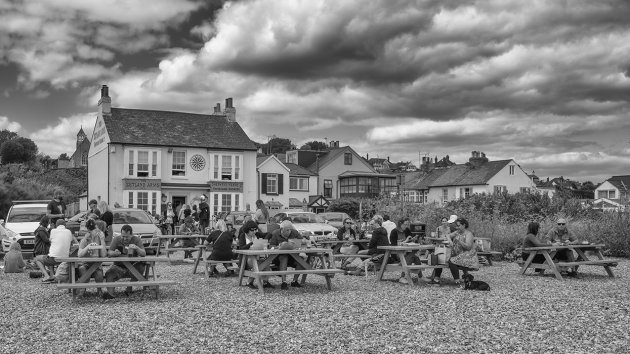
point(60, 138)
point(5, 123)
point(522, 80)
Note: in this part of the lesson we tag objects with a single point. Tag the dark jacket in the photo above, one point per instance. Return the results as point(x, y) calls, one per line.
point(277, 238)
point(342, 231)
point(42, 241)
point(379, 238)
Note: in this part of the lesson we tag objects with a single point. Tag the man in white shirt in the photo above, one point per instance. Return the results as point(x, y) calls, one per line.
point(388, 225)
point(60, 243)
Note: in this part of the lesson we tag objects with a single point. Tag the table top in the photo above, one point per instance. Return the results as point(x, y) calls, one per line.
point(333, 242)
point(111, 259)
point(182, 236)
point(407, 247)
point(277, 251)
point(559, 247)
point(435, 239)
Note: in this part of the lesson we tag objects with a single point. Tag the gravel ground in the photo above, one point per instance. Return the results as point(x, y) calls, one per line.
point(521, 314)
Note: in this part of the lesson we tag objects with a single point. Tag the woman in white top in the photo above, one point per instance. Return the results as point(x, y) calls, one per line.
point(261, 216)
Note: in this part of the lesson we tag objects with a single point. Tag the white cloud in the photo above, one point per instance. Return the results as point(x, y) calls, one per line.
point(54, 140)
point(6, 123)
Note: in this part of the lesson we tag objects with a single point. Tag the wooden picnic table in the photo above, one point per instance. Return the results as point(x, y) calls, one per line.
point(549, 252)
point(401, 251)
point(146, 280)
point(262, 260)
point(170, 238)
point(335, 245)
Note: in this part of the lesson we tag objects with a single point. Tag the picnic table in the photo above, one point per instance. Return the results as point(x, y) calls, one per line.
point(146, 280)
point(262, 260)
point(401, 251)
point(168, 249)
point(210, 264)
point(549, 252)
point(335, 245)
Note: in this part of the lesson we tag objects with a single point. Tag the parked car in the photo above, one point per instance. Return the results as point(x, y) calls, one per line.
point(334, 218)
point(141, 223)
point(307, 223)
point(236, 218)
point(22, 220)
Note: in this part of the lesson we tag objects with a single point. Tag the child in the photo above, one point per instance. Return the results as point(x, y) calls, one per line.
point(188, 228)
point(13, 261)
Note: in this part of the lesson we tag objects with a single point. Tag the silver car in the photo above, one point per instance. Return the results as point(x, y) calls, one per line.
point(307, 223)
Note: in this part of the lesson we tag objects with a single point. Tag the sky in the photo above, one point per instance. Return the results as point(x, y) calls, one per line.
point(546, 83)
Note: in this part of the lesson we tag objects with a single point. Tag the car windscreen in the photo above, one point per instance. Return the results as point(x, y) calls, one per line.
point(333, 217)
point(306, 218)
point(131, 217)
point(26, 214)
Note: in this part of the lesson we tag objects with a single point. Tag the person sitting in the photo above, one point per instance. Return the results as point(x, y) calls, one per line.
point(560, 235)
point(379, 238)
point(280, 239)
point(245, 242)
point(388, 224)
point(93, 211)
point(188, 228)
point(127, 244)
point(220, 242)
point(444, 229)
point(13, 261)
point(532, 240)
point(463, 251)
point(42, 238)
point(92, 245)
point(347, 233)
point(60, 243)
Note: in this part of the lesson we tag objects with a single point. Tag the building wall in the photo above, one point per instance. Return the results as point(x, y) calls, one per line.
point(302, 195)
point(607, 186)
point(272, 165)
point(97, 176)
point(514, 182)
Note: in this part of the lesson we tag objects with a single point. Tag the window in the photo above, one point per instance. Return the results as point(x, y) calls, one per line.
point(298, 183)
point(272, 183)
point(500, 189)
point(328, 188)
point(179, 163)
point(216, 166)
point(424, 197)
point(226, 167)
point(145, 200)
point(84, 159)
point(464, 192)
point(444, 195)
point(347, 158)
point(606, 193)
point(292, 157)
point(524, 189)
point(142, 163)
point(512, 170)
point(142, 200)
point(236, 202)
point(237, 167)
point(348, 186)
point(226, 202)
point(388, 186)
point(153, 202)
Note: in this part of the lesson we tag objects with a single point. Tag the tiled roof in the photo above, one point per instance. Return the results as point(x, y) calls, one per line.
point(621, 182)
point(143, 127)
point(294, 202)
point(421, 180)
point(299, 170)
point(466, 174)
point(331, 155)
point(376, 159)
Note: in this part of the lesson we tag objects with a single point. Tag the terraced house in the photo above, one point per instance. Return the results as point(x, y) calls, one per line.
point(138, 157)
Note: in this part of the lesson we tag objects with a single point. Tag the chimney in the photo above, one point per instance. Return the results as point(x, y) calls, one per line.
point(387, 158)
point(477, 159)
point(367, 156)
point(105, 103)
point(217, 109)
point(230, 111)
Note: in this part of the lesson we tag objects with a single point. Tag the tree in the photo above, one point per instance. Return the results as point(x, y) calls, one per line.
point(64, 156)
point(314, 145)
point(18, 150)
point(279, 146)
point(6, 135)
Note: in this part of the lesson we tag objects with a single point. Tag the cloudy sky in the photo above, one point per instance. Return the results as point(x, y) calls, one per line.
point(544, 82)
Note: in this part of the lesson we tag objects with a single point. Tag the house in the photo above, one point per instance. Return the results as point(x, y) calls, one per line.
point(142, 158)
point(613, 193)
point(273, 182)
point(478, 175)
point(80, 156)
point(380, 164)
point(302, 185)
point(343, 173)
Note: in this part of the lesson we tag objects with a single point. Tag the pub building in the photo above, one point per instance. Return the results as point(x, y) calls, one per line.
point(143, 158)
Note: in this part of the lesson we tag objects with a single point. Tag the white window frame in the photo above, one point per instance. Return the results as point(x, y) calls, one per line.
point(291, 157)
point(444, 195)
point(499, 189)
point(178, 170)
point(132, 199)
point(464, 192)
point(298, 179)
point(608, 193)
point(216, 166)
point(216, 202)
point(272, 183)
point(131, 158)
point(525, 189)
point(512, 170)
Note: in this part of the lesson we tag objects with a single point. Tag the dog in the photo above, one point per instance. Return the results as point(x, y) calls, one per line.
point(470, 284)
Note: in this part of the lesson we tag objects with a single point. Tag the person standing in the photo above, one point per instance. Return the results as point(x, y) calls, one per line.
point(169, 218)
point(56, 209)
point(261, 216)
point(204, 214)
point(93, 211)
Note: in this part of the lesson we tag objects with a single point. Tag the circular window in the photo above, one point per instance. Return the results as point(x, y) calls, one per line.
point(197, 162)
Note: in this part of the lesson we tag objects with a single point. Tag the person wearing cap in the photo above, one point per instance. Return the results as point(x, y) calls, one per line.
point(278, 239)
point(204, 214)
point(558, 235)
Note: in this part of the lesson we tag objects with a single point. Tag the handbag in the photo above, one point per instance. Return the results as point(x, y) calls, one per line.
point(467, 259)
point(442, 253)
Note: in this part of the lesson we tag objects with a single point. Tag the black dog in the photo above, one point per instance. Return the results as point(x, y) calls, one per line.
point(470, 284)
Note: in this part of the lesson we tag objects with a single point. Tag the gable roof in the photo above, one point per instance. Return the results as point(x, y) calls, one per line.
point(261, 160)
point(376, 159)
point(162, 128)
point(421, 180)
point(466, 174)
point(620, 182)
point(295, 169)
point(332, 154)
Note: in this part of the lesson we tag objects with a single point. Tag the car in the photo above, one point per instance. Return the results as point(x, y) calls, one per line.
point(334, 218)
point(21, 222)
point(307, 223)
point(76, 224)
point(141, 223)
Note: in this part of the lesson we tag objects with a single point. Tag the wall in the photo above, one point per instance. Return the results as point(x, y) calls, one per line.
point(272, 165)
point(98, 175)
point(336, 167)
point(512, 182)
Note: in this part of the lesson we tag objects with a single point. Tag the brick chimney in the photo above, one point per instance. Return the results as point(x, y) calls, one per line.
point(105, 103)
point(230, 111)
point(217, 110)
point(477, 158)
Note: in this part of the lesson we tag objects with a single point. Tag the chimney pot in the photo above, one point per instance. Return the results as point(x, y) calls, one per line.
point(104, 91)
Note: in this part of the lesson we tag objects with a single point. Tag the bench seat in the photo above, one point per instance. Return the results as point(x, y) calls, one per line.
point(303, 271)
point(153, 284)
point(210, 264)
point(599, 262)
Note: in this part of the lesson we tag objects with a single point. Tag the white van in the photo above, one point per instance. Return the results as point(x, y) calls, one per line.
point(22, 220)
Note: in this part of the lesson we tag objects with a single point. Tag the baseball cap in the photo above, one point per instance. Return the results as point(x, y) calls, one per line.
point(452, 219)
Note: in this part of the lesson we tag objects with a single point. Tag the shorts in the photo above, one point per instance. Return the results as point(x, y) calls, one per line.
point(46, 260)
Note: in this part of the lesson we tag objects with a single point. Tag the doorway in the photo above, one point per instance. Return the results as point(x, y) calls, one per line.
point(178, 202)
